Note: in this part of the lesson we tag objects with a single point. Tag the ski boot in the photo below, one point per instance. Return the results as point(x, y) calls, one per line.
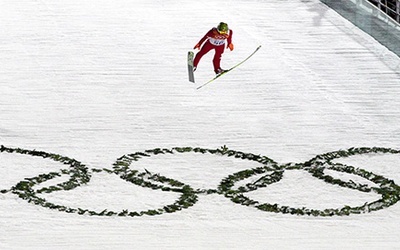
point(220, 71)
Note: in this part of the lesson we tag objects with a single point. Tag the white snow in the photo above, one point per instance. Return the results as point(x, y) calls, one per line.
point(96, 80)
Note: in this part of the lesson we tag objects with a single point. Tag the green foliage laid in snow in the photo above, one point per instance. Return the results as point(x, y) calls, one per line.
point(267, 173)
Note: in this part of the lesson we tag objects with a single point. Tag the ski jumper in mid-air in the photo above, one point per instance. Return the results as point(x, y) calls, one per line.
point(214, 39)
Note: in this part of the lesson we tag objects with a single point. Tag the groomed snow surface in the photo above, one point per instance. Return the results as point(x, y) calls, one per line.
point(96, 80)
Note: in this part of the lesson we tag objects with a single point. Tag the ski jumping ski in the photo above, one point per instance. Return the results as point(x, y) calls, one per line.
point(226, 71)
point(190, 65)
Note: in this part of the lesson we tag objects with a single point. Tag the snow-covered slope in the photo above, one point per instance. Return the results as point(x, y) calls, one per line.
point(97, 80)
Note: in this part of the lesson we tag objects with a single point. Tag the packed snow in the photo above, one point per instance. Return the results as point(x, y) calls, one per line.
point(97, 80)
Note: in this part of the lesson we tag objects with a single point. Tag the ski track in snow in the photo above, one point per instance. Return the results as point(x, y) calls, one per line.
point(95, 80)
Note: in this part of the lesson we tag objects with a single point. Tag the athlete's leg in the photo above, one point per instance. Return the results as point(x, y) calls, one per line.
point(204, 50)
point(219, 50)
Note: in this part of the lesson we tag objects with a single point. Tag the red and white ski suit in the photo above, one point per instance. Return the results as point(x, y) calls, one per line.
point(215, 41)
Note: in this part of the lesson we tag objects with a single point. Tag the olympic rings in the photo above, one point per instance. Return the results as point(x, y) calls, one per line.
point(270, 171)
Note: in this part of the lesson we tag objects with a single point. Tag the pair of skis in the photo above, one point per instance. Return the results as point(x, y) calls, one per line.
point(191, 73)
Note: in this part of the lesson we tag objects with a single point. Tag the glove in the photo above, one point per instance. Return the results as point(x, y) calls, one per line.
point(230, 46)
point(197, 46)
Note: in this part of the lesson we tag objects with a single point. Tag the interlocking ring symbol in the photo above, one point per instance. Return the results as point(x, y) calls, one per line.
point(270, 172)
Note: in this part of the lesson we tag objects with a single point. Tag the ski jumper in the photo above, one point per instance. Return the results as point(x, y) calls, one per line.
point(215, 41)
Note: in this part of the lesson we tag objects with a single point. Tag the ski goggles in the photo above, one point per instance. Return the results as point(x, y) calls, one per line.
point(223, 32)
